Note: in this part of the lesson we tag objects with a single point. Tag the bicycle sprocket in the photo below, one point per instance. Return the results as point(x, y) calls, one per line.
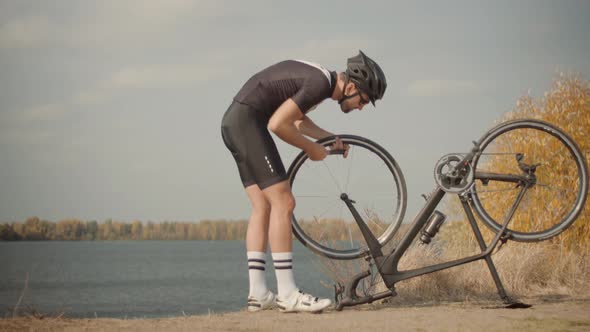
point(451, 175)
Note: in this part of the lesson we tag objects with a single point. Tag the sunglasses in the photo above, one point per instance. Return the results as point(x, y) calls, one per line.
point(363, 100)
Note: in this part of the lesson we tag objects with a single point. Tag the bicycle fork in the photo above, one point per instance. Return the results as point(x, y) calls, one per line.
point(387, 266)
point(351, 297)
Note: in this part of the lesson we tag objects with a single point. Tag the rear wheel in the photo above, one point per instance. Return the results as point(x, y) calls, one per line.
point(556, 179)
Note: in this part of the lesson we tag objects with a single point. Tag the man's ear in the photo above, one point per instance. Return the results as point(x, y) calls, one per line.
point(349, 88)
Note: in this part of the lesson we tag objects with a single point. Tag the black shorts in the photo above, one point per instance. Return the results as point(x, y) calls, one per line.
point(244, 132)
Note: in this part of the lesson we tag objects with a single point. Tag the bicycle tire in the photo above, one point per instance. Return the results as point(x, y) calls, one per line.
point(548, 146)
point(376, 161)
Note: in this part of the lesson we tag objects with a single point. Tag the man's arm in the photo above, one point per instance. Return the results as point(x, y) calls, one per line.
point(309, 128)
point(282, 123)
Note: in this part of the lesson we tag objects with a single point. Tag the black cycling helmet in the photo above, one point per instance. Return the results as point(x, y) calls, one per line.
point(367, 76)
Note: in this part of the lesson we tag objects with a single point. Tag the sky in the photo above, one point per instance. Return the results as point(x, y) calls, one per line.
point(112, 109)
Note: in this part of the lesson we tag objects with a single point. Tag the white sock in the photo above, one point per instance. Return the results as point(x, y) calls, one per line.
point(256, 274)
point(283, 262)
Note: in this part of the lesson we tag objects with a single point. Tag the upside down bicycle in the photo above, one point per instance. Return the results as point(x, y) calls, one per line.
point(526, 180)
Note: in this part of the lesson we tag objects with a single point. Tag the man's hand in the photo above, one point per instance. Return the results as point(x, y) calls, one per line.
point(316, 152)
point(338, 145)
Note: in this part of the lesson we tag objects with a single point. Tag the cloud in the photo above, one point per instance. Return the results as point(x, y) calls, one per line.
point(333, 51)
point(111, 23)
point(46, 112)
point(156, 76)
point(96, 25)
point(90, 97)
point(14, 128)
point(153, 76)
point(31, 31)
point(442, 87)
point(14, 137)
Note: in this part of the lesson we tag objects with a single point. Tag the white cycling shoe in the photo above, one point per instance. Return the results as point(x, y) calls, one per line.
point(299, 301)
point(265, 303)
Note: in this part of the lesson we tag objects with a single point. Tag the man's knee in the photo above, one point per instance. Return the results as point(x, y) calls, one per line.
point(281, 199)
point(287, 201)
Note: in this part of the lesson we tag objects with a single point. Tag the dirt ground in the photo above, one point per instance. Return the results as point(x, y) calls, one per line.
point(546, 314)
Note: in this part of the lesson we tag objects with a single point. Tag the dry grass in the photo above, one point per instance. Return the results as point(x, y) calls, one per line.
point(525, 269)
point(566, 105)
point(558, 266)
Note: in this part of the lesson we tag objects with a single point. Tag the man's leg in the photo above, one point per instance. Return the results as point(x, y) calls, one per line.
point(257, 233)
point(290, 298)
point(256, 241)
point(282, 204)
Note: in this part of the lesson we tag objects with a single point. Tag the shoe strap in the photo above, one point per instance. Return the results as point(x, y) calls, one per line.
point(309, 296)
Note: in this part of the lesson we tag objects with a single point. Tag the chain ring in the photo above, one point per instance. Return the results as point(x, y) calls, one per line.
point(449, 182)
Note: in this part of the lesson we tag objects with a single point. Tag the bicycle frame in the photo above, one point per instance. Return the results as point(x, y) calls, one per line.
point(387, 265)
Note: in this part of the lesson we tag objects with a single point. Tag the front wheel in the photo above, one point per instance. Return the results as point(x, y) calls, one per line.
point(369, 176)
point(553, 172)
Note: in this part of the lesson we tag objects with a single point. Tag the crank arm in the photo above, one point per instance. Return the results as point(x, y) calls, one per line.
point(348, 302)
point(351, 298)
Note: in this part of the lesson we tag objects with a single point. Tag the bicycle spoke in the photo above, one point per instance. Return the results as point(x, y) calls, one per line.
point(496, 190)
point(371, 179)
point(376, 225)
point(322, 230)
point(349, 169)
point(553, 194)
point(332, 176)
point(498, 154)
point(350, 237)
point(317, 179)
point(325, 209)
point(556, 153)
point(510, 144)
point(347, 227)
point(558, 189)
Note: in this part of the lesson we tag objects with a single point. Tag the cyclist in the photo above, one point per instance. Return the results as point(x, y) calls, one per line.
point(278, 99)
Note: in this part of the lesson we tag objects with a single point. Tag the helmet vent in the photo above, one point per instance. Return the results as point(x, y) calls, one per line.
point(367, 76)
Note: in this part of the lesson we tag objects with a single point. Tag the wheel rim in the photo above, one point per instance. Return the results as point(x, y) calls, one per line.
point(559, 192)
point(369, 176)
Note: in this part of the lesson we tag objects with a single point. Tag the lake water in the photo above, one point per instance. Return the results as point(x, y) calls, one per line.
point(138, 278)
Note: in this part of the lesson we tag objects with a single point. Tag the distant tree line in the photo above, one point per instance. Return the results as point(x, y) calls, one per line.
point(35, 229)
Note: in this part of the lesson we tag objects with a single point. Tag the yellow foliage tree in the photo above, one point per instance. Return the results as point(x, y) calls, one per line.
point(567, 106)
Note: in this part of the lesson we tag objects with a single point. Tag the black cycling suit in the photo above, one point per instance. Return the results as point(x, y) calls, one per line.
point(244, 125)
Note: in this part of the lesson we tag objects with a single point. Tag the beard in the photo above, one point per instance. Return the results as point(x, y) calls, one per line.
point(345, 107)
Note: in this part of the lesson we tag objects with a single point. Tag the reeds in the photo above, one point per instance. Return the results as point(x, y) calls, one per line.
point(567, 106)
point(558, 266)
